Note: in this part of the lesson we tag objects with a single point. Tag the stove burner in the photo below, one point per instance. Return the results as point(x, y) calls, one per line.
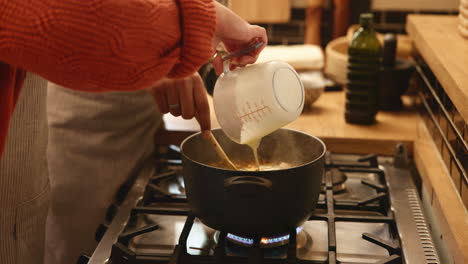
point(266, 242)
point(338, 179)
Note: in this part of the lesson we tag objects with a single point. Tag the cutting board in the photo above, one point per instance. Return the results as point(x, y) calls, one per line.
point(300, 57)
point(445, 51)
point(262, 11)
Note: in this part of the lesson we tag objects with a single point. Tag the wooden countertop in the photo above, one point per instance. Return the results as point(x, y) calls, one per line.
point(326, 121)
point(445, 51)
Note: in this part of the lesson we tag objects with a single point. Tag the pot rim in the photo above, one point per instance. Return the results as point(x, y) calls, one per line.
point(257, 172)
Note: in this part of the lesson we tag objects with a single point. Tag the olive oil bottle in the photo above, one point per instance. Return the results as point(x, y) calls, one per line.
point(364, 64)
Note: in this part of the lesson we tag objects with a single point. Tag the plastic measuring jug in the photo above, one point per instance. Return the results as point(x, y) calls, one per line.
point(253, 101)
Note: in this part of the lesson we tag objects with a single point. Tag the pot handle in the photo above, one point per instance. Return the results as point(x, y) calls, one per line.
point(253, 181)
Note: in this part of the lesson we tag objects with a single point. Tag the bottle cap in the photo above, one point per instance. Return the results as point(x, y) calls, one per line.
point(366, 18)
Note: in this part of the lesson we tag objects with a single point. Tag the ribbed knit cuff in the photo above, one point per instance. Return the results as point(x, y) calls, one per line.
point(198, 20)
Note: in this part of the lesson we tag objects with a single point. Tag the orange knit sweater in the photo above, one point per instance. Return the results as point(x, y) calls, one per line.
point(100, 45)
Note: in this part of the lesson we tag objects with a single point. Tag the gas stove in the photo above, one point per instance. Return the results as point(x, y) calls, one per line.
point(369, 211)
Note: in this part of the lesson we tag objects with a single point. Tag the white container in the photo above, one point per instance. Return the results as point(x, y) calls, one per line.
point(253, 101)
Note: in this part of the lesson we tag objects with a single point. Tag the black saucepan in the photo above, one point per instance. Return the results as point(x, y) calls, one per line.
point(254, 203)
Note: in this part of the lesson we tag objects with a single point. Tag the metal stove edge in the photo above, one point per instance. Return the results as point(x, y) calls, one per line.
point(102, 252)
point(415, 237)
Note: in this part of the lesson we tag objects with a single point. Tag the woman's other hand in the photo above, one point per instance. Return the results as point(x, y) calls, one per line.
point(185, 97)
point(235, 33)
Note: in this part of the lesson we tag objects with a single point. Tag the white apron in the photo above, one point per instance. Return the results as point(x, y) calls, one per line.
point(95, 142)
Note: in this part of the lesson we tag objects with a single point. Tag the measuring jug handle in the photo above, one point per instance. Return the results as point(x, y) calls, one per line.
point(226, 65)
point(246, 50)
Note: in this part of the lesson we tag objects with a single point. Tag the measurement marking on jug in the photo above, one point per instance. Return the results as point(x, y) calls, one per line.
point(255, 112)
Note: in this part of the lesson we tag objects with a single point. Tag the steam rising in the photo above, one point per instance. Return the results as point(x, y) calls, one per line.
point(281, 149)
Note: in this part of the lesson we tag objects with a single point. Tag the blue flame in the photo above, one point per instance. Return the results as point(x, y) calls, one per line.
point(264, 241)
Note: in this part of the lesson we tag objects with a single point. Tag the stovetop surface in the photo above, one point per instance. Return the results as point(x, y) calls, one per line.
point(353, 222)
point(312, 241)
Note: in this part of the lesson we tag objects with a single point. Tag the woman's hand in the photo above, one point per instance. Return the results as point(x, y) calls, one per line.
point(235, 33)
point(184, 97)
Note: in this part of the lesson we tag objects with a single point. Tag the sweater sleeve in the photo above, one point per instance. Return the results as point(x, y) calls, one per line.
point(103, 45)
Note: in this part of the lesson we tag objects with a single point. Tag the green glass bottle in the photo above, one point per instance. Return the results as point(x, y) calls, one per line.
point(363, 72)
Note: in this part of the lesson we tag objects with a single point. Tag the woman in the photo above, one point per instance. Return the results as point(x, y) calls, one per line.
point(95, 45)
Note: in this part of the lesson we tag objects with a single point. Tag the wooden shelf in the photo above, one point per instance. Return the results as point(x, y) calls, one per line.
point(446, 52)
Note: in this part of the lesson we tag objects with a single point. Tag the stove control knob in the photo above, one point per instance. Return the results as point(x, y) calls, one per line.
point(111, 212)
point(401, 157)
point(83, 260)
point(100, 232)
point(122, 192)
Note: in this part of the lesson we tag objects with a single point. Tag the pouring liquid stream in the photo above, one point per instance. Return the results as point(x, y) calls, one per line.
point(254, 146)
point(264, 167)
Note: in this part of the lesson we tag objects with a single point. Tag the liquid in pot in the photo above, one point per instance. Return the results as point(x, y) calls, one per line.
point(253, 166)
